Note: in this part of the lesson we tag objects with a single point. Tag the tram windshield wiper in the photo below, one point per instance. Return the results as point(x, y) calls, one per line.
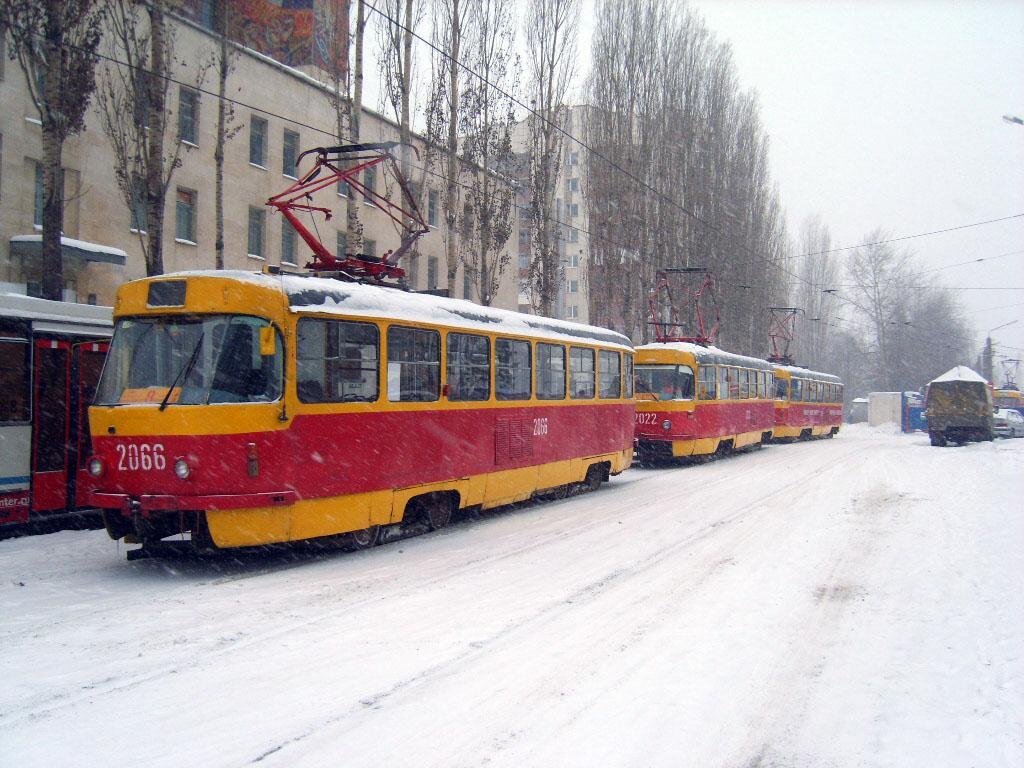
point(185, 370)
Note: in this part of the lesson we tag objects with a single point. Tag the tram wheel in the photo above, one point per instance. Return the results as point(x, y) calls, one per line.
point(595, 474)
point(364, 539)
point(438, 511)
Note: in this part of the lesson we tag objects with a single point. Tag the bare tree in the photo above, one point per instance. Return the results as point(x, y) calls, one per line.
point(225, 132)
point(486, 122)
point(55, 43)
point(819, 274)
point(133, 109)
point(444, 107)
point(679, 175)
point(551, 30)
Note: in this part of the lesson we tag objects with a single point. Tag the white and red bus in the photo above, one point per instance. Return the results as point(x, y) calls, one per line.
point(51, 354)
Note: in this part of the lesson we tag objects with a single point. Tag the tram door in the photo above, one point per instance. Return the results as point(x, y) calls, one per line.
point(87, 366)
point(50, 412)
point(65, 375)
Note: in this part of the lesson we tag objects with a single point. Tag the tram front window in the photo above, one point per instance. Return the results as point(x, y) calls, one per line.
point(192, 360)
point(665, 382)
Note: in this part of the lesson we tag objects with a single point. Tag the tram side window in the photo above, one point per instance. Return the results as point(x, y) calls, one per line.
point(629, 376)
point(414, 364)
point(550, 371)
point(608, 374)
point(469, 367)
point(744, 383)
point(581, 373)
point(781, 389)
point(14, 380)
point(723, 382)
point(798, 394)
point(706, 375)
point(337, 361)
point(512, 369)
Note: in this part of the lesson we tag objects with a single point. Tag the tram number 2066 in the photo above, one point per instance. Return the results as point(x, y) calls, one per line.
point(144, 456)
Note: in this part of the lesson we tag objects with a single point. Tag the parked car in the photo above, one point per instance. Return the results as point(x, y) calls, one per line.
point(1008, 423)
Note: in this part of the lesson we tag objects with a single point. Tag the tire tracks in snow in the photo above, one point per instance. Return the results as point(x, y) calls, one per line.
point(580, 598)
point(227, 642)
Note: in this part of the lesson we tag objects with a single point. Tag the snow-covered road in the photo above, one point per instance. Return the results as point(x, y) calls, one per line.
point(847, 602)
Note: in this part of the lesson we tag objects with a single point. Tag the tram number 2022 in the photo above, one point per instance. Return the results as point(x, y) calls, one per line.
point(144, 456)
point(540, 427)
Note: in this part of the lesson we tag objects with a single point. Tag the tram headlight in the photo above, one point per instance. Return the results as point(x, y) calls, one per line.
point(666, 424)
point(96, 466)
point(182, 469)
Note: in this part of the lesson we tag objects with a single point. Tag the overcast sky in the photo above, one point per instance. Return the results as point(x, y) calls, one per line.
point(889, 114)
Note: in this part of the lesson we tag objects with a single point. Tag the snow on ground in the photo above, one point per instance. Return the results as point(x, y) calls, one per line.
point(839, 603)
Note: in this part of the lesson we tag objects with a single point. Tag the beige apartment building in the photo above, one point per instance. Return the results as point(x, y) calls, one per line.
point(279, 111)
point(570, 212)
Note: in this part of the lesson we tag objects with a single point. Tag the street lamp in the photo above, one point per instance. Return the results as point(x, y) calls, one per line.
point(989, 353)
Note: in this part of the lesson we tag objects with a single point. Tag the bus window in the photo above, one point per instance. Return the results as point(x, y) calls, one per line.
point(706, 390)
point(469, 367)
point(581, 373)
point(512, 369)
point(609, 374)
point(14, 381)
point(337, 361)
point(550, 371)
point(414, 364)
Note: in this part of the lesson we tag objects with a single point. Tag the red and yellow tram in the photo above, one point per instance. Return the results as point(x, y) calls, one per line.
point(807, 403)
point(695, 400)
point(247, 409)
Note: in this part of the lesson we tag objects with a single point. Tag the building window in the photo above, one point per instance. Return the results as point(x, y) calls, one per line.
point(574, 235)
point(432, 273)
point(291, 154)
point(343, 189)
point(188, 114)
point(574, 185)
point(37, 209)
point(573, 286)
point(369, 179)
point(138, 211)
point(369, 247)
point(432, 207)
point(574, 210)
point(287, 243)
point(342, 244)
point(572, 312)
point(258, 141)
point(467, 286)
point(524, 261)
point(257, 225)
point(574, 158)
point(185, 215)
point(574, 259)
